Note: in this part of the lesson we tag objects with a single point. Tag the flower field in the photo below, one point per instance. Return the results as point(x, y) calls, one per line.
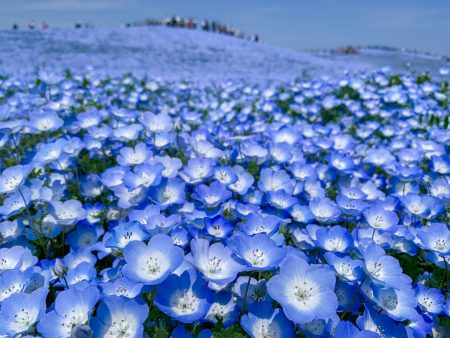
point(134, 207)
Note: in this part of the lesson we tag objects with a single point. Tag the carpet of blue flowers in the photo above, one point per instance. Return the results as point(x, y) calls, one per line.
point(133, 207)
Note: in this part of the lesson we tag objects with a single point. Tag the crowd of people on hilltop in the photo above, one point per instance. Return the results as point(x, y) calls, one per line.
point(31, 25)
point(173, 21)
point(191, 23)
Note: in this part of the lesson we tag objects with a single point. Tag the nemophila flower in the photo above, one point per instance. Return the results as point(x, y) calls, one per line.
point(384, 270)
point(130, 197)
point(325, 211)
point(281, 200)
point(16, 202)
point(225, 175)
point(134, 156)
point(440, 188)
point(346, 267)
point(342, 162)
point(379, 157)
point(16, 257)
point(304, 291)
point(185, 298)
point(127, 132)
point(168, 192)
point(11, 230)
point(180, 236)
point(83, 273)
point(21, 311)
point(49, 152)
point(259, 252)
point(45, 121)
point(441, 164)
point(142, 216)
point(250, 289)
point(436, 237)
point(258, 223)
point(197, 169)
point(121, 287)
point(211, 196)
point(152, 263)
point(125, 233)
point(13, 281)
point(84, 236)
point(171, 165)
point(120, 317)
point(301, 214)
point(67, 212)
point(252, 150)
point(244, 182)
point(72, 309)
point(160, 223)
point(271, 180)
point(399, 304)
point(417, 205)
point(350, 207)
point(89, 119)
point(145, 175)
point(215, 261)
point(218, 226)
point(431, 300)
point(156, 123)
point(380, 324)
point(381, 219)
point(336, 239)
point(223, 308)
point(13, 177)
point(264, 321)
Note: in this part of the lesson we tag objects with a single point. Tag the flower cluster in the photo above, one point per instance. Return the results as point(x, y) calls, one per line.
point(133, 207)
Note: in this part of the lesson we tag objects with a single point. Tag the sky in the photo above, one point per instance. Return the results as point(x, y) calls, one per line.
point(296, 24)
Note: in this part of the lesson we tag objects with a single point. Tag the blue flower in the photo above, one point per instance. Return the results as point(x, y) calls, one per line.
point(156, 123)
point(325, 211)
point(431, 300)
point(152, 263)
point(306, 292)
point(67, 212)
point(264, 321)
point(22, 310)
point(121, 287)
point(134, 156)
point(224, 308)
point(45, 121)
point(381, 219)
point(345, 266)
point(218, 227)
point(214, 261)
point(119, 316)
point(197, 169)
point(384, 269)
point(259, 252)
point(271, 180)
point(436, 237)
point(13, 177)
point(167, 193)
point(399, 304)
point(72, 309)
point(211, 196)
point(336, 239)
point(185, 298)
point(257, 223)
point(144, 175)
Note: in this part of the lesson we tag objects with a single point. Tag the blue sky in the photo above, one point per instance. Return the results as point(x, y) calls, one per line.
point(298, 24)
